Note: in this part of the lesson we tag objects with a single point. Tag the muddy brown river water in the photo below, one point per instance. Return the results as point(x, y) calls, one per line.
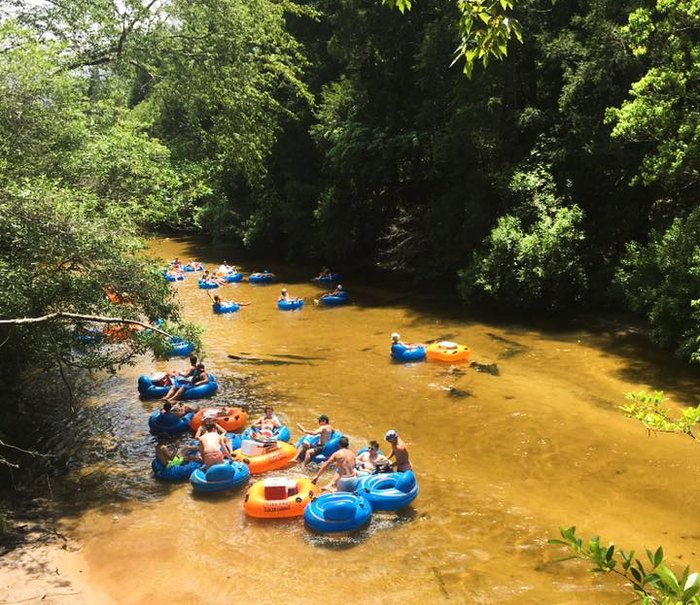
point(502, 460)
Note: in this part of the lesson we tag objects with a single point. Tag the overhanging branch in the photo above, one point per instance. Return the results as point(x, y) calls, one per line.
point(79, 316)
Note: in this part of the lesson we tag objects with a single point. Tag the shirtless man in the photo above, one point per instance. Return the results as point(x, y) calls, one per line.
point(308, 451)
point(211, 444)
point(372, 461)
point(398, 451)
point(345, 478)
point(266, 424)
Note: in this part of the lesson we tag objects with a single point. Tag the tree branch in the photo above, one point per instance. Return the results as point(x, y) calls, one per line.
point(80, 316)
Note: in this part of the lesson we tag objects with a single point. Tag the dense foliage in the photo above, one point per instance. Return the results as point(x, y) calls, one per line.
point(337, 131)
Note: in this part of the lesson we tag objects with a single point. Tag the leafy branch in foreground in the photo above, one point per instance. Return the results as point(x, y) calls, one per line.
point(485, 28)
point(655, 584)
point(649, 410)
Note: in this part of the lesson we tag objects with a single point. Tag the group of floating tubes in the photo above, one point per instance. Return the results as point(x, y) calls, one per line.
point(149, 387)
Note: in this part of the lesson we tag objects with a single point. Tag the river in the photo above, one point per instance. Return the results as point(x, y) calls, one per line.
point(503, 460)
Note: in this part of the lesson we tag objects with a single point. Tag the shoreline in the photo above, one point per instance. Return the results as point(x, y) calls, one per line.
point(46, 566)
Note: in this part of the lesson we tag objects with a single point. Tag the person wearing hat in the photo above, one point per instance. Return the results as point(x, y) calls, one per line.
point(398, 451)
point(306, 449)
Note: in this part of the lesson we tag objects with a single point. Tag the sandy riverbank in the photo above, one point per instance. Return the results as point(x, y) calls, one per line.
point(47, 567)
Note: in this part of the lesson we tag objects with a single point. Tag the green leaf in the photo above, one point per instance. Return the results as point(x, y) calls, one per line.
point(668, 578)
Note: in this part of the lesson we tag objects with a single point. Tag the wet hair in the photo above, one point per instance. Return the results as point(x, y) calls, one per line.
point(344, 441)
point(200, 366)
point(323, 418)
point(193, 360)
point(167, 406)
point(209, 424)
point(374, 445)
point(268, 407)
point(217, 298)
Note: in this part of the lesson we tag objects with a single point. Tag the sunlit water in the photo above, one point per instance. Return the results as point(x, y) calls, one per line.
point(502, 460)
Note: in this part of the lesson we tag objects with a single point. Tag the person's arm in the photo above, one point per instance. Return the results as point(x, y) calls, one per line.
point(220, 429)
point(199, 432)
point(303, 430)
point(323, 468)
point(259, 421)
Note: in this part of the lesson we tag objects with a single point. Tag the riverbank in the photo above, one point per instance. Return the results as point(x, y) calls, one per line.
point(42, 564)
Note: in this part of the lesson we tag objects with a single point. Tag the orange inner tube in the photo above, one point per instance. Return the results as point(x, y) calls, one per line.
point(228, 418)
point(256, 505)
point(276, 458)
point(447, 351)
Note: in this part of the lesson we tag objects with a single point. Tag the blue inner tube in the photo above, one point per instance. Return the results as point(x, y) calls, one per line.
point(235, 439)
point(231, 278)
point(388, 491)
point(280, 433)
point(334, 301)
point(206, 285)
point(178, 347)
point(220, 477)
point(260, 278)
point(150, 391)
point(167, 277)
point(336, 512)
point(181, 472)
point(404, 353)
point(331, 446)
point(290, 305)
point(168, 423)
point(225, 307)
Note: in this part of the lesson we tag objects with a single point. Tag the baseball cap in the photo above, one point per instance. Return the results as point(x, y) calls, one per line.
point(391, 434)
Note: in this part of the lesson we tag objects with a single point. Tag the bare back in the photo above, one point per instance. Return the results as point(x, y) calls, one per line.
point(345, 462)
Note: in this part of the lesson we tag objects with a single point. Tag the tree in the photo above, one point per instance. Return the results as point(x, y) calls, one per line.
point(661, 280)
point(662, 114)
point(532, 260)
